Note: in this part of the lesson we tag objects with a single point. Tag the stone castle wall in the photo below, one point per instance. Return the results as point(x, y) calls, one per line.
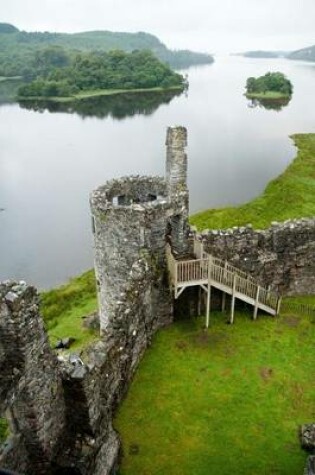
point(282, 256)
point(61, 412)
point(30, 387)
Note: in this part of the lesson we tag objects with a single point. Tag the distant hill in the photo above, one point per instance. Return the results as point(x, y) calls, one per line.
point(305, 54)
point(7, 28)
point(22, 45)
point(264, 54)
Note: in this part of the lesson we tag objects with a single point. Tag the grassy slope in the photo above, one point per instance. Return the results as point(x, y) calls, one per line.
point(64, 307)
point(226, 401)
point(291, 195)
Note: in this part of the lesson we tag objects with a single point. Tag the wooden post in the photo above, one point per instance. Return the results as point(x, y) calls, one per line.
point(201, 250)
point(256, 303)
point(175, 278)
point(199, 301)
point(224, 273)
point(233, 299)
point(208, 291)
point(278, 305)
point(223, 302)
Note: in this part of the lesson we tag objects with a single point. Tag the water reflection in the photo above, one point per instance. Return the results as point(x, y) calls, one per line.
point(117, 106)
point(270, 104)
point(8, 91)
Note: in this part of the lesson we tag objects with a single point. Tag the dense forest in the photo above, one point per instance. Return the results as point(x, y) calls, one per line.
point(64, 76)
point(305, 54)
point(21, 51)
point(269, 83)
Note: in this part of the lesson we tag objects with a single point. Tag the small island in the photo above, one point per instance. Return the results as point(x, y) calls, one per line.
point(73, 77)
point(271, 86)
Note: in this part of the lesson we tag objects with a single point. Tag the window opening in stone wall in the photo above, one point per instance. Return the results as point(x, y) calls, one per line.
point(151, 197)
point(122, 200)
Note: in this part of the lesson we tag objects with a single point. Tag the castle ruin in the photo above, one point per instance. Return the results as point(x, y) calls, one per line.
point(60, 412)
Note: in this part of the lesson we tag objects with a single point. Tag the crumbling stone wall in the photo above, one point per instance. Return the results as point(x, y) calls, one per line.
point(282, 256)
point(30, 385)
point(61, 411)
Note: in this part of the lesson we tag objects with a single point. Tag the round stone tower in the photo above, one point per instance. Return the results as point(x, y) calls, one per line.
point(129, 220)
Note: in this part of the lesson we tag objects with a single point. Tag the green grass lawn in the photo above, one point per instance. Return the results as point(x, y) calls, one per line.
point(227, 400)
point(302, 299)
point(291, 195)
point(64, 307)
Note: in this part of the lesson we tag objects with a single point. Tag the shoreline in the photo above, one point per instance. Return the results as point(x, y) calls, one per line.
point(270, 95)
point(291, 195)
point(97, 93)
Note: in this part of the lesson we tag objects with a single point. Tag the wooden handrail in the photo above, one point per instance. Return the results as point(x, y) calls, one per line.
point(208, 267)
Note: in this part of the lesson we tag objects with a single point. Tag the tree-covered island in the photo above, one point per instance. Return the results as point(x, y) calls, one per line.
point(270, 86)
point(64, 77)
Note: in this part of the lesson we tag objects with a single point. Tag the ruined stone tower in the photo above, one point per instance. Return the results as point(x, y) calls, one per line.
point(177, 190)
point(131, 219)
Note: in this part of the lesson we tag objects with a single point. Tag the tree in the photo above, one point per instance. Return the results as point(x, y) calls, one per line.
point(270, 82)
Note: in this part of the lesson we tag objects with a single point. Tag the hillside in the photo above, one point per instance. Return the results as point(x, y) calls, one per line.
point(262, 54)
point(20, 48)
point(305, 54)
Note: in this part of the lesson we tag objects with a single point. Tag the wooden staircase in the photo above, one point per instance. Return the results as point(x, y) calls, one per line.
point(207, 271)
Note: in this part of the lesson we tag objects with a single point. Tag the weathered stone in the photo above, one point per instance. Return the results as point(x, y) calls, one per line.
point(282, 257)
point(92, 321)
point(310, 466)
point(30, 387)
point(308, 437)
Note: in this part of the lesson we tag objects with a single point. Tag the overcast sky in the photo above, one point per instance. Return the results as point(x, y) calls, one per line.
point(205, 25)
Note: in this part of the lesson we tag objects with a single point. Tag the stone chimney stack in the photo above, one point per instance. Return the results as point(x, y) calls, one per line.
point(176, 182)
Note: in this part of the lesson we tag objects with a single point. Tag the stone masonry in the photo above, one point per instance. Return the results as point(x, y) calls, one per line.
point(131, 220)
point(282, 256)
point(30, 391)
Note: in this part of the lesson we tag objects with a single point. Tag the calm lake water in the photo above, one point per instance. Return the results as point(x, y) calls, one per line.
point(51, 159)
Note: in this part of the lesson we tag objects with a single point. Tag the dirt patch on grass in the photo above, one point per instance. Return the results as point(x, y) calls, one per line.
point(266, 373)
point(298, 393)
point(290, 320)
point(181, 345)
point(205, 338)
point(134, 449)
